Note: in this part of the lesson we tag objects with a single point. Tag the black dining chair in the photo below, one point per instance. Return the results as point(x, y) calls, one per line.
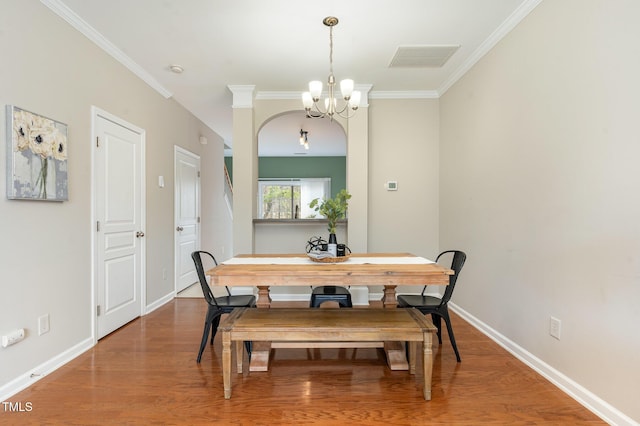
point(435, 306)
point(330, 293)
point(217, 305)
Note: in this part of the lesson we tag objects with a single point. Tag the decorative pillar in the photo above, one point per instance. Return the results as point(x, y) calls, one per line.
point(358, 173)
point(245, 169)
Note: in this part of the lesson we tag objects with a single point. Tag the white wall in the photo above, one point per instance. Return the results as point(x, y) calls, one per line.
point(539, 185)
point(45, 247)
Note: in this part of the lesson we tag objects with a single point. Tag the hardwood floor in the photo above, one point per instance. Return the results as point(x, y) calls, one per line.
point(146, 373)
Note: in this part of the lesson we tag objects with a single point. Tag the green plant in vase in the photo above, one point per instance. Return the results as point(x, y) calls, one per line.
point(333, 209)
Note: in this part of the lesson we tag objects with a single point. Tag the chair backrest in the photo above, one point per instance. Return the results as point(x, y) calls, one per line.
point(459, 257)
point(206, 290)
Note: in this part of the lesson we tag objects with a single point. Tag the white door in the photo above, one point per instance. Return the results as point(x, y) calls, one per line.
point(187, 215)
point(119, 214)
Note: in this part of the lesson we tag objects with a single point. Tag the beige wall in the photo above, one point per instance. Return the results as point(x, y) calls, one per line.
point(46, 247)
point(539, 184)
point(403, 147)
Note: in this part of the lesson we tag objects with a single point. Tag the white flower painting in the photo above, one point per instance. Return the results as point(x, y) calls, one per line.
point(36, 157)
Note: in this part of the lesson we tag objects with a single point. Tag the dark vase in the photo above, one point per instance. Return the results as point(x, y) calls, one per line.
point(332, 247)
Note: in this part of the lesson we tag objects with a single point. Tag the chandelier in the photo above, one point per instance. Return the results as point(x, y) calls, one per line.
point(303, 139)
point(351, 97)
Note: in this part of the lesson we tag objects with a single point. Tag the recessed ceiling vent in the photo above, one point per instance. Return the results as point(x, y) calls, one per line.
point(422, 56)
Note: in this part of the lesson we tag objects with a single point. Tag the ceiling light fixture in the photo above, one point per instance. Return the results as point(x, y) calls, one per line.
point(311, 98)
point(176, 69)
point(303, 139)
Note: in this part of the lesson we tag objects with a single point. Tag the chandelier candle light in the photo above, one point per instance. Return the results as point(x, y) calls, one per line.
point(311, 98)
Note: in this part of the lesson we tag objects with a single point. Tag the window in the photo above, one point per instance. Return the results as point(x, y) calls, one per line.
point(290, 198)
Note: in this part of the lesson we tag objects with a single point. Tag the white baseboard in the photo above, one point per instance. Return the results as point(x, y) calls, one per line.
point(588, 399)
point(290, 297)
point(29, 378)
point(158, 303)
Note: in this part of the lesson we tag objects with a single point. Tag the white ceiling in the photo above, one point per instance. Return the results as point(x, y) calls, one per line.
point(280, 45)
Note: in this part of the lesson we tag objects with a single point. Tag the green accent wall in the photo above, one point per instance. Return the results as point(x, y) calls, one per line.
point(228, 161)
point(306, 167)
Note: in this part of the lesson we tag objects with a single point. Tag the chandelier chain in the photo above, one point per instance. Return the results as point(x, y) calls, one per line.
point(331, 50)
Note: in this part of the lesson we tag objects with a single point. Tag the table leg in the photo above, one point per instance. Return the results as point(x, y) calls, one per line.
point(260, 351)
point(260, 356)
point(396, 356)
point(427, 364)
point(226, 363)
point(264, 301)
point(389, 297)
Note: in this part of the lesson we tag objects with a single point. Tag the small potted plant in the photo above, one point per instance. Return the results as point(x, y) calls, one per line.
point(332, 209)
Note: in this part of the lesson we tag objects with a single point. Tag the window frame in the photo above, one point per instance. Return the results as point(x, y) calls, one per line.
point(262, 182)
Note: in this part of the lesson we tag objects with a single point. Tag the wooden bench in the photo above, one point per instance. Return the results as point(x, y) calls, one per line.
point(326, 328)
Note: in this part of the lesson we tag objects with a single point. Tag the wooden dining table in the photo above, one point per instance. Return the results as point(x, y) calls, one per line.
point(390, 270)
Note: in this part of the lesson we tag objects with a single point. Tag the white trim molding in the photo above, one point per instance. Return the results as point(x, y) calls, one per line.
point(588, 399)
point(509, 24)
point(242, 95)
point(29, 378)
point(405, 94)
point(60, 9)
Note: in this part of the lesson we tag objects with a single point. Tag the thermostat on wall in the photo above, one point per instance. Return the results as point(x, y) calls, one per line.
point(392, 185)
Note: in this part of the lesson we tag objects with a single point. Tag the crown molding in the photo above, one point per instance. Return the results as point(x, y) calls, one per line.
point(60, 9)
point(242, 95)
point(405, 94)
point(266, 95)
point(505, 28)
point(366, 94)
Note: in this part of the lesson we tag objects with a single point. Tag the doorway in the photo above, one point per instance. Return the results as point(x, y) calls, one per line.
point(187, 216)
point(119, 212)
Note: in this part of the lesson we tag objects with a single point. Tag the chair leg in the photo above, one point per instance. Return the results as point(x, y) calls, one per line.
point(435, 318)
point(345, 304)
point(447, 320)
point(213, 317)
point(205, 337)
point(214, 326)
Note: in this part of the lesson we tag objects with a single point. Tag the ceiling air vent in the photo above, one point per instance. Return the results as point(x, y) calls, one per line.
point(422, 56)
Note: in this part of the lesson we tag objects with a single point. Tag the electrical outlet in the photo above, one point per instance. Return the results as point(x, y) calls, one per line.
point(13, 337)
point(43, 325)
point(554, 327)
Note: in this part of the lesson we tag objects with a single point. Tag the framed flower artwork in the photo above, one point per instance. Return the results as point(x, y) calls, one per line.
point(36, 157)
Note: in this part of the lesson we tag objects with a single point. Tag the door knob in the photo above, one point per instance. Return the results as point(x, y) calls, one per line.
point(179, 228)
point(139, 234)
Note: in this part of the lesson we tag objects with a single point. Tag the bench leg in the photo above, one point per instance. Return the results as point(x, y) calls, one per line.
point(226, 363)
point(427, 364)
point(413, 354)
point(239, 355)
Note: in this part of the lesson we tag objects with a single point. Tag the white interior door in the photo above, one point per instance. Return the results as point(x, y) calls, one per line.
point(119, 214)
point(187, 216)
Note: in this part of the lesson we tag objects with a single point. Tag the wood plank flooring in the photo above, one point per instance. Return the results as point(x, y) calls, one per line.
point(146, 373)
